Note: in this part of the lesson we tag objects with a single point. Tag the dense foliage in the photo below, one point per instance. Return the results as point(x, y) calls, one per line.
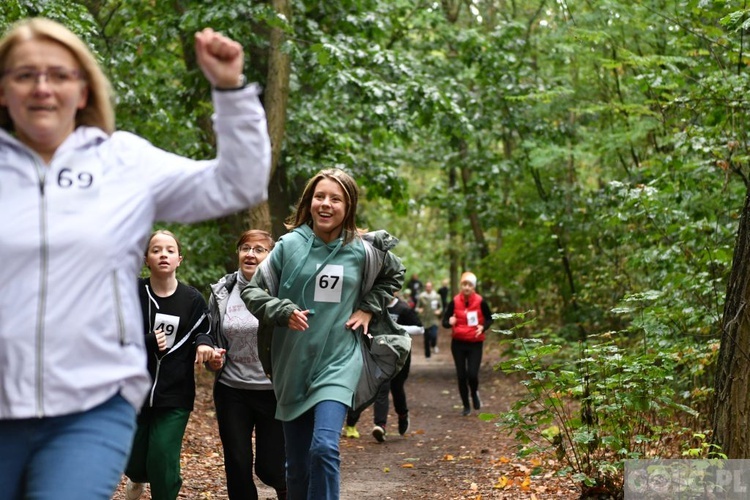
point(588, 160)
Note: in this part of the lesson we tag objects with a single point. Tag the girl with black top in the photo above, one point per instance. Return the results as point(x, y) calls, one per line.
point(177, 338)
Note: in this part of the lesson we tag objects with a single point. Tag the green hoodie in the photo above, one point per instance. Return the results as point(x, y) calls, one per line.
point(323, 362)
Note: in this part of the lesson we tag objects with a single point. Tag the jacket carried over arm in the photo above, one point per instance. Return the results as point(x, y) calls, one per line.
point(382, 275)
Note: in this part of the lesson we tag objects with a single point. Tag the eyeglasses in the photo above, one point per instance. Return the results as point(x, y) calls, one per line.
point(256, 250)
point(56, 76)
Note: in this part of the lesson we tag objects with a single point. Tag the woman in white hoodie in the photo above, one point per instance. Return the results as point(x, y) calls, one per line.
point(78, 202)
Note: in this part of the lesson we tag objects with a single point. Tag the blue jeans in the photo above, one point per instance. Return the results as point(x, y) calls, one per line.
point(71, 457)
point(312, 452)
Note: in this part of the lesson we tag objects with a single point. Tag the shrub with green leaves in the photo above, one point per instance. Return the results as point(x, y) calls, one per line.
point(615, 397)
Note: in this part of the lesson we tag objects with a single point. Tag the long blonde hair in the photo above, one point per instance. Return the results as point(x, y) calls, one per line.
point(99, 109)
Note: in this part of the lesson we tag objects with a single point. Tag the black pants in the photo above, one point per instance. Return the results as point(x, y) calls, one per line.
point(468, 358)
point(380, 407)
point(238, 412)
point(430, 339)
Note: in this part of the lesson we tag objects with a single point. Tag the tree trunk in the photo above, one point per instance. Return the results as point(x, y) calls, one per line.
point(272, 65)
point(451, 8)
point(471, 213)
point(453, 221)
point(731, 420)
point(276, 97)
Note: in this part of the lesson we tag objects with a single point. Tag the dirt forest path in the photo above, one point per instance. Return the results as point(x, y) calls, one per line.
point(443, 455)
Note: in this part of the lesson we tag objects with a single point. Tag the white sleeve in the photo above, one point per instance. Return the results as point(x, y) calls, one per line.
point(413, 329)
point(186, 190)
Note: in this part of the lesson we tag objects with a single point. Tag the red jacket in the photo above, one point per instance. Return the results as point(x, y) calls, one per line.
point(468, 316)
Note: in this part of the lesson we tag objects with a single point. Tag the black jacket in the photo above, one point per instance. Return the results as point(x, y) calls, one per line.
point(402, 314)
point(172, 371)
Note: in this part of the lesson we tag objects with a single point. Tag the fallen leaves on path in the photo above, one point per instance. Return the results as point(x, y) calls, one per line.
point(444, 456)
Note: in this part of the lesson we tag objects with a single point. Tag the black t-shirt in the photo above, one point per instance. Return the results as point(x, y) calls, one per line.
point(402, 314)
point(443, 292)
point(416, 287)
point(184, 317)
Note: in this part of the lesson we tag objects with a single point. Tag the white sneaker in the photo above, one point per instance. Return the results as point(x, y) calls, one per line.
point(133, 491)
point(436, 350)
point(378, 433)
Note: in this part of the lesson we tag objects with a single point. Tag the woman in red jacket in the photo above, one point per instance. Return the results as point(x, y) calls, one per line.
point(469, 317)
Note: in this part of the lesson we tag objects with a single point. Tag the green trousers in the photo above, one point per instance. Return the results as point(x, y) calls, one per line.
point(155, 458)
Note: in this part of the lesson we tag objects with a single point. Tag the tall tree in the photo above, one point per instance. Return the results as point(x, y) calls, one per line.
point(276, 102)
point(731, 419)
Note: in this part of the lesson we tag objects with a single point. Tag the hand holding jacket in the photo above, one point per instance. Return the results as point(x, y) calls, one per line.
point(360, 319)
point(383, 275)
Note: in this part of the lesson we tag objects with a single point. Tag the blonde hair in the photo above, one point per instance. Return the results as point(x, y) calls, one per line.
point(99, 110)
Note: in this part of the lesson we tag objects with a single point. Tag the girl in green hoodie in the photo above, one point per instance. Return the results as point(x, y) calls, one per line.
point(315, 301)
